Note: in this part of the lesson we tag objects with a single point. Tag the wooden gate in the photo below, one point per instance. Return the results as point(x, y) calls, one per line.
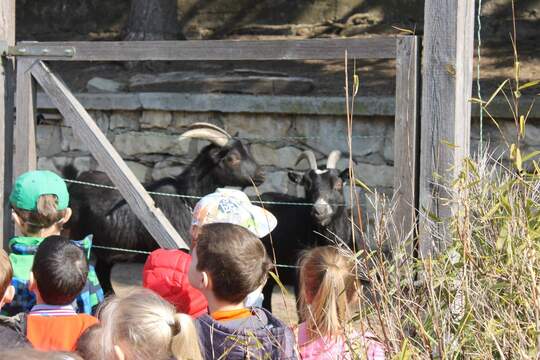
point(31, 68)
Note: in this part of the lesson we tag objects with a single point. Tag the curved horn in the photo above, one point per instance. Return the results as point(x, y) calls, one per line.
point(212, 135)
point(333, 158)
point(205, 125)
point(309, 156)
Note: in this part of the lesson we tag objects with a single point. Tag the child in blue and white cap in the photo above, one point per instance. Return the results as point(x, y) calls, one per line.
point(165, 271)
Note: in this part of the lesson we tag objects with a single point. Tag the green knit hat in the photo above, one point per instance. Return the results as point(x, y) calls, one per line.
point(31, 185)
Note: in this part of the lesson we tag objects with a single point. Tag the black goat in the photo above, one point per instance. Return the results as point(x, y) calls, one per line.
point(104, 213)
point(302, 227)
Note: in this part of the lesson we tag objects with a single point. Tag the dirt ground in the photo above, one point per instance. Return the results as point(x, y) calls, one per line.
point(127, 276)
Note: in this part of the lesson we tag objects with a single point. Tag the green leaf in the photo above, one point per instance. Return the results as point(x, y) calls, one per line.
point(531, 155)
point(362, 185)
point(495, 93)
point(529, 84)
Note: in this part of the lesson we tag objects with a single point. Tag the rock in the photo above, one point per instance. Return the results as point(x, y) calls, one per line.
point(267, 127)
point(171, 171)
point(125, 120)
point(98, 84)
point(276, 181)
point(330, 133)
point(181, 120)
point(532, 134)
point(375, 175)
point(282, 158)
point(48, 140)
point(194, 82)
point(70, 142)
point(45, 163)
point(156, 119)
point(388, 151)
point(139, 170)
point(101, 119)
point(134, 143)
point(84, 163)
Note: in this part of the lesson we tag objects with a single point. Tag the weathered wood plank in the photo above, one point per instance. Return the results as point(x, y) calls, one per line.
point(7, 90)
point(446, 112)
point(406, 141)
point(86, 129)
point(204, 50)
point(25, 158)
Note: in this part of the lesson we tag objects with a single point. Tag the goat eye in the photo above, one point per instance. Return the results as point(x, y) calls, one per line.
point(232, 159)
point(338, 184)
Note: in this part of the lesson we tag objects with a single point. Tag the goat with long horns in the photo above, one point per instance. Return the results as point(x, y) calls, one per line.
point(105, 214)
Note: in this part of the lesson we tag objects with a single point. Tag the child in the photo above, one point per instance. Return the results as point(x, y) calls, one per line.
point(9, 338)
point(58, 274)
point(165, 271)
point(141, 325)
point(40, 208)
point(88, 345)
point(328, 285)
point(31, 354)
point(228, 263)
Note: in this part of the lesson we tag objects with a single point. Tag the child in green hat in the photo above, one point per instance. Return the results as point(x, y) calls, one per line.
point(40, 204)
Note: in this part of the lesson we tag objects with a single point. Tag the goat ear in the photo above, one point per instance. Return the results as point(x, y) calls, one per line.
point(344, 175)
point(296, 177)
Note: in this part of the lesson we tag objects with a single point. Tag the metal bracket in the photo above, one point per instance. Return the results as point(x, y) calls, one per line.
point(29, 49)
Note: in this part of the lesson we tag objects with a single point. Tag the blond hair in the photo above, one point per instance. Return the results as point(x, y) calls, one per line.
point(328, 285)
point(149, 326)
point(45, 215)
point(6, 272)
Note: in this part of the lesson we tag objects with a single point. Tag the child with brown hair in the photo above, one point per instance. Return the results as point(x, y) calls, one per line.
point(9, 338)
point(328, 285)
point(40, 203)
point(58, 275)
point(228, 263)
point(143, 326)
point(166, 271)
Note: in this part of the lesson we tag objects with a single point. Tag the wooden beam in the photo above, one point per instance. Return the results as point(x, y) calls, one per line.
point(204, 50)
point(406, 137)
point(7, 89)
point(446, 111)
point(25, 158)
point(86, 129)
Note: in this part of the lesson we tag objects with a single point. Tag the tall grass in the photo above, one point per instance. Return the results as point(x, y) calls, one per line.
point(479, 298)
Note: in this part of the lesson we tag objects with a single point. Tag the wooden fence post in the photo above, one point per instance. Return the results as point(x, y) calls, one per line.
point(446, 111)
point(406, 146)
point(25, 157)
point(7, 89)
point(106, 155)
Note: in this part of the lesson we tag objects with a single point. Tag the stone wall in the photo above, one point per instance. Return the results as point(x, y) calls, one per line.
point(148, 141)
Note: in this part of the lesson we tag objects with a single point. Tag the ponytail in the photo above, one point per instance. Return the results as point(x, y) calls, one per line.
point(185, 342)
point(45, 215)
point(148, 327)
point(327, 286)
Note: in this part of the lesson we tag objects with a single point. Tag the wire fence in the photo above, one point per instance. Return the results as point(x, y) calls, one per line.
point(111, 248)
point(195, 197)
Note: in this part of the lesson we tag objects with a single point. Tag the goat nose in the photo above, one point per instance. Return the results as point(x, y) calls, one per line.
point(322, 208)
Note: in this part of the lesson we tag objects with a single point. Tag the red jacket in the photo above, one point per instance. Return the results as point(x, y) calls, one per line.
point(166, 273)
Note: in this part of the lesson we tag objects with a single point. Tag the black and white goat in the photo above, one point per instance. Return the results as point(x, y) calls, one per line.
point(327, 221)
point(104, 213)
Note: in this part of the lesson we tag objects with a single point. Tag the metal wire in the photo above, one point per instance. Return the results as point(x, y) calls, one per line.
point(191, 196)
point(148, 253)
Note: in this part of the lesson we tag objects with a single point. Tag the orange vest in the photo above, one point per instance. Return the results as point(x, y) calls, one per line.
point(57, 332)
